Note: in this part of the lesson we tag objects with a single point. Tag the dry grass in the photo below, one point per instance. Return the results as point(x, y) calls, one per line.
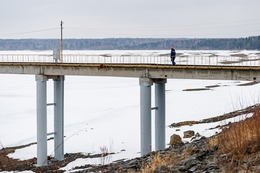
point(242, 137)
point(240, 141)
point(239, 144)
point(167, 159)
point(156, 162)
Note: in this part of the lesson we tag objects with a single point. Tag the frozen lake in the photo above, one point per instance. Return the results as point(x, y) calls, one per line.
point(105, 111)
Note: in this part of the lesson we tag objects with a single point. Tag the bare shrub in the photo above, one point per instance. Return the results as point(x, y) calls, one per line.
point(105, 157)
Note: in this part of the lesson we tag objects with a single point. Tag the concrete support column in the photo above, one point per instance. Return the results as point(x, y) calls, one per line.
point(145, 111)
point(160, 124)
point(59, 117)
point(41, 95)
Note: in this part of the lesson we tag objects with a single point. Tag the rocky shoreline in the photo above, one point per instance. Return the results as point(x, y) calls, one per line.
point(196, 157)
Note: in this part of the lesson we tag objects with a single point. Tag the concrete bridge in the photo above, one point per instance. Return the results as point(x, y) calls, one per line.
point(149, 69)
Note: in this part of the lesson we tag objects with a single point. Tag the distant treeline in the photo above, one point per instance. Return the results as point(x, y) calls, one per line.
point(249, 43)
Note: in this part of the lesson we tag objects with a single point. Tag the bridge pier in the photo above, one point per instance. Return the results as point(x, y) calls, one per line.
point(41, 95)
point(145, 111)
point(160, 114)
point(59, 118)
point(145, 114)
point(42, 118)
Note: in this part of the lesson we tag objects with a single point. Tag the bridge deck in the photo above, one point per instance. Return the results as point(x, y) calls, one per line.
point(133, 70)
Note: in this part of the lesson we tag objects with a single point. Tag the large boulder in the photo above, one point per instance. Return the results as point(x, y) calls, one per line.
point(175, 139)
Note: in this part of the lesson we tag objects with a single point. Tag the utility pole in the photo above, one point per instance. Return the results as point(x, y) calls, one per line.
point(61, 43)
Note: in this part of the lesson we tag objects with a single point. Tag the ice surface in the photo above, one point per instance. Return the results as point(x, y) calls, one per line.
point(104, 111)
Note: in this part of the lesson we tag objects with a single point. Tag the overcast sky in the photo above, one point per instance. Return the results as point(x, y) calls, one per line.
point(129, 18)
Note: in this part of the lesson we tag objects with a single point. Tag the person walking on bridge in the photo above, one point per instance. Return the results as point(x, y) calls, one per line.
point(173, 55)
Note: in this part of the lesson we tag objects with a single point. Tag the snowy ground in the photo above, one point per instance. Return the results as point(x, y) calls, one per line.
point(104, 111)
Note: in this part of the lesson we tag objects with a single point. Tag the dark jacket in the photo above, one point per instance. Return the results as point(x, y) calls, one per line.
point(173, 53)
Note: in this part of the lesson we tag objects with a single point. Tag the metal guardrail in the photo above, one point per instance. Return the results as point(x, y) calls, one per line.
point(198, 60)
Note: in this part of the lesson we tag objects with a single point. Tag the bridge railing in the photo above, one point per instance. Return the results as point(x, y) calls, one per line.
point(136, 59)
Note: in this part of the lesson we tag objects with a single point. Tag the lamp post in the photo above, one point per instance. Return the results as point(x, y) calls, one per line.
point(61, 43)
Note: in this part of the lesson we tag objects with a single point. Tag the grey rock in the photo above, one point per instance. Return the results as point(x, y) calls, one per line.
point(190, 162)
point(181, 168)
point(162, 169)
point(212, 165)
point(194, 168)
point(201, 156)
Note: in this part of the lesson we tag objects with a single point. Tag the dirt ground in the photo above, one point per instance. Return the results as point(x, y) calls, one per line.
point(10, 164)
